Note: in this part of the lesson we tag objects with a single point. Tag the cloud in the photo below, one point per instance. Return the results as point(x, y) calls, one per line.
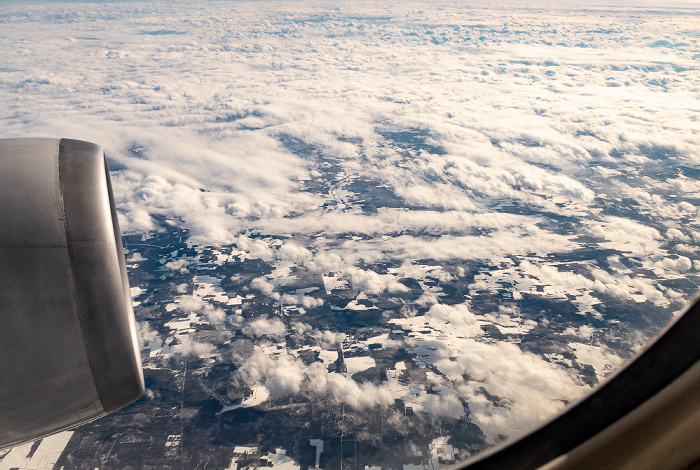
point(457, 315)
point(550, 281)
point(263, 326)
point(342, 389)
point(531, 389)
point(255, 248)
point(135, 257)
point(372, 283)
point(285, 379)
point(680, 264)
point(508, 390)
point(444, 404)
point(197, 305)
point(327, 339)
point(146, 335)
point(294, 252)
point(527, 388)
point(237, 133)
point(326, 261)
point(312, 302)
point(264, 286)
point(284, 376)
point(179, 265)
point(358, 146)
point(301, 328)
point(675, 234)
point(288, 299)
point(188, 346)
point(626, 235)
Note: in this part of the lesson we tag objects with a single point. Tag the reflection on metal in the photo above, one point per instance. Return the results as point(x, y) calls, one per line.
point(646, 417)
point(68, 348)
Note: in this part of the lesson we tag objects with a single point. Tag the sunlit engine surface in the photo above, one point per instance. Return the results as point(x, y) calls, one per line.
point(371, 234)
point(68, 346)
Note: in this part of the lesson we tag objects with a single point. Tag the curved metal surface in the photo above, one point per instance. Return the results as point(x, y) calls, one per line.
point(652, 401)
point(103, 301)
point(67, 340)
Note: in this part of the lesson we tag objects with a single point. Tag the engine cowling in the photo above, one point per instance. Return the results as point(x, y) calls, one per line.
point(68, 346)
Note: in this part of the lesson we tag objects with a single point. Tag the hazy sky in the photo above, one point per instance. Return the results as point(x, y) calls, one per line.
point(626, 3)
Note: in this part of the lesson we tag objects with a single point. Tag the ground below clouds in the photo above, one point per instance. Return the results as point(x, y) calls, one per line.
point(368, 234)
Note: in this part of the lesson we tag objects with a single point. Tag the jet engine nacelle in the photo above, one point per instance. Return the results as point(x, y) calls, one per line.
point(68, 347)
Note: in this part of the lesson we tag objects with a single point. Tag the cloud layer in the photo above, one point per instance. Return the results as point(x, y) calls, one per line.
point(387, 151)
